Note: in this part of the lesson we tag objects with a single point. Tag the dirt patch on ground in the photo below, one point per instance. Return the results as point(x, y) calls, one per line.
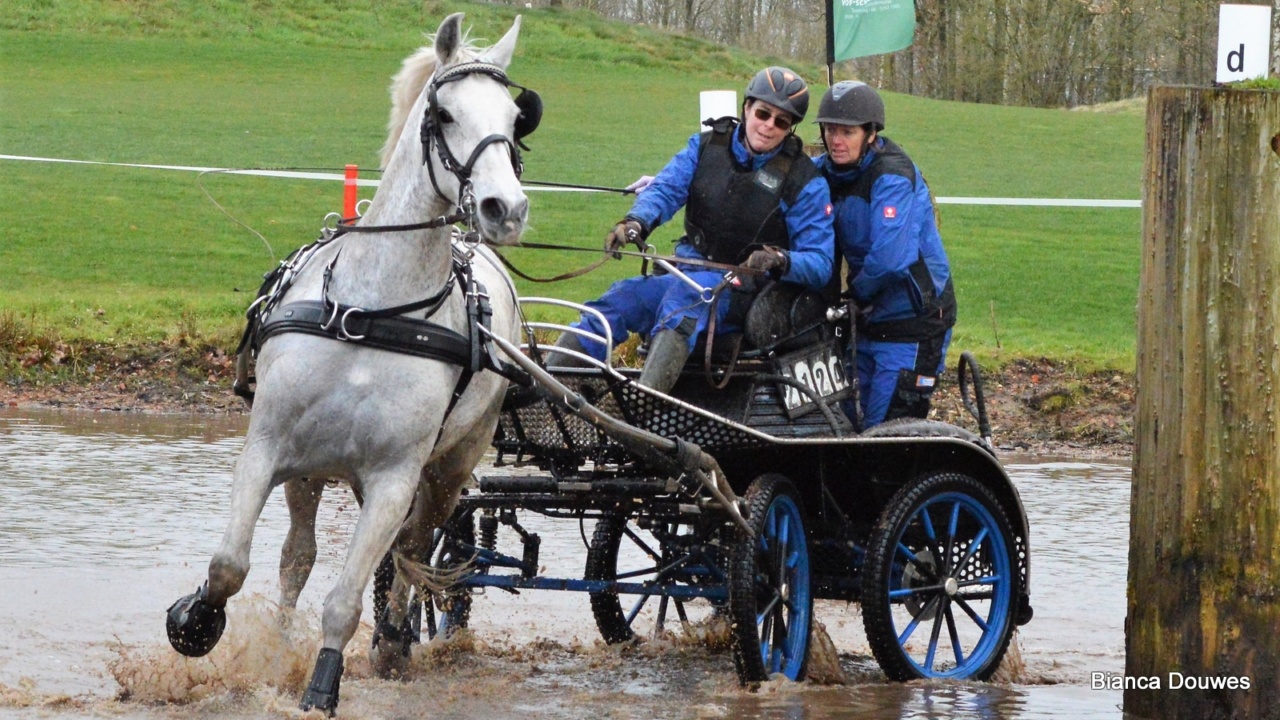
point(1034, 406)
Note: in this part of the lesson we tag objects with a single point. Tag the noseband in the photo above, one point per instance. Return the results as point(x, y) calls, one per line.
point(433, 121)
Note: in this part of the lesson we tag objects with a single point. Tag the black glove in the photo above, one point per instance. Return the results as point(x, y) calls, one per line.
point(771, 260)
point(627, 231)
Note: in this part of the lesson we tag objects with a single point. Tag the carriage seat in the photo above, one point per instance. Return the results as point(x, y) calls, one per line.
point(782, 317)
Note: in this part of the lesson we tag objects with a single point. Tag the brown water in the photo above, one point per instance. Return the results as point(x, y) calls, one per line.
point(107, 519)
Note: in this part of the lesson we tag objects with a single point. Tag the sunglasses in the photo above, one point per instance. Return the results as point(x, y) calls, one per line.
point(780, 120)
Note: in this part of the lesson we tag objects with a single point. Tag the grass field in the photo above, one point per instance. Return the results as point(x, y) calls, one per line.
point(129, 255)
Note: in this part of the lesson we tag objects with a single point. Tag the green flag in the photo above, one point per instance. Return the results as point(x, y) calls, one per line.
point(857, 28)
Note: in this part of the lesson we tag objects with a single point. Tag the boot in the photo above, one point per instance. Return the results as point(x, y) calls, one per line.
point(668, 353)
point(568, 341)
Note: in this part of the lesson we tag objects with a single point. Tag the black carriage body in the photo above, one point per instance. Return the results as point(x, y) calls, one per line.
point(844, 479)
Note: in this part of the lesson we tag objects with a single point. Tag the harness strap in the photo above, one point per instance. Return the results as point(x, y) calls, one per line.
point(421, 338)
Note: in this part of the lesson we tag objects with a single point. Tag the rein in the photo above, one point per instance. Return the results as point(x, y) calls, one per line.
point(646, 256)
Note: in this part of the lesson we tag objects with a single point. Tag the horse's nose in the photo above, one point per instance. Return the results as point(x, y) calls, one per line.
point(497, 212)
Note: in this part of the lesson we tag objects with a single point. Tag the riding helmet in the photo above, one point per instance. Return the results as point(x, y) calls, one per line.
point(850, 102)
point(781, 88)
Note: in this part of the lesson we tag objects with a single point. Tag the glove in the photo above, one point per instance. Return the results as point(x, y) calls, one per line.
point(627, 231)
point(638, 186)
point(771, 260)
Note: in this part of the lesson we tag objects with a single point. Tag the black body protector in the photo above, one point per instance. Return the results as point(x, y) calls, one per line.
point(937, 311)
point(732, 209)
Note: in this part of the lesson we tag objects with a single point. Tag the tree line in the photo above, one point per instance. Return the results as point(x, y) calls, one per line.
point(1046, 53)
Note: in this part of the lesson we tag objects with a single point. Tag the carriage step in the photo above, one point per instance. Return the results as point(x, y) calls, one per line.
point(549, 485)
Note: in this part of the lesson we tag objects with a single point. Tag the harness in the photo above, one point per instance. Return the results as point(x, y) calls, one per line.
point(389, 329)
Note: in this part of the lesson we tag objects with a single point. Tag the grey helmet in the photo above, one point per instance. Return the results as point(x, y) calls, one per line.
point(850, 102)
point(782, 88)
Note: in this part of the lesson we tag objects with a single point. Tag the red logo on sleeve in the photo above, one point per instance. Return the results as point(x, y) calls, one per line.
point(890, 212)
point(828, 209)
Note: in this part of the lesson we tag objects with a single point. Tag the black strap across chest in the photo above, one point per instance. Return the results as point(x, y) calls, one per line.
point(410, 336)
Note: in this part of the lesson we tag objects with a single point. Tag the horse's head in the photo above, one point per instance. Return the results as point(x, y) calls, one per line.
point(471, 128)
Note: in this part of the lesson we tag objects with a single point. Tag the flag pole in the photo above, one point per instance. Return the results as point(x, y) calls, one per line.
point(831, 43)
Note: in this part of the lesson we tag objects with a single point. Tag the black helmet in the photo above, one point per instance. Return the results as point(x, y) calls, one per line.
point(781, 88)
point(850, 102)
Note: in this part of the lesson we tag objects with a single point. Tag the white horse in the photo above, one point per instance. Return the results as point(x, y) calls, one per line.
point(391, 424)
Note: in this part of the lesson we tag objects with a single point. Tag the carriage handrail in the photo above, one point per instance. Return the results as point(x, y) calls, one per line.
point(606, 339)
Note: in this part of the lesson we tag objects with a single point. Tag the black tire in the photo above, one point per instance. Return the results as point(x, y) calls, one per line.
point(942, 557)
point(646, 552)
point(915, 427)
point(770, 597)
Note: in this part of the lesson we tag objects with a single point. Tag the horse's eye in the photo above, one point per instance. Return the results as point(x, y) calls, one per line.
point(445, 117)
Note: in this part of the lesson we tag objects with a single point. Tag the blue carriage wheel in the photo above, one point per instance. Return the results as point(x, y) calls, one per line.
point(940, 581)
point(770, 597)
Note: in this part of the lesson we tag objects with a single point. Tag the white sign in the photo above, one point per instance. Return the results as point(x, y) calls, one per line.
point(1244, 42)
point(715, 104)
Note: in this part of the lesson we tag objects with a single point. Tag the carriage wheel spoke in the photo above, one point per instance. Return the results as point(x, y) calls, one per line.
point(661, 622)
point(915, 621)
point(972, 614)
point(933, 636)
point(973, 547)
point(635, 609)
point(955, 636)
point(952, 527)
point(925, 571)
point(931, 541)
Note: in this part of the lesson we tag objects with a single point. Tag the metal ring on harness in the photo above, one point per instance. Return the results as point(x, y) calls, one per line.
point(342, 325)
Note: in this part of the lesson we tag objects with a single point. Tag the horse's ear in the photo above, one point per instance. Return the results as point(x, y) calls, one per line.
point(502, 51)
point(448, 38)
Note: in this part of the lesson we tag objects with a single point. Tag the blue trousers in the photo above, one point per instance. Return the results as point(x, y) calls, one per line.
point(647, 304)
point(896, 379)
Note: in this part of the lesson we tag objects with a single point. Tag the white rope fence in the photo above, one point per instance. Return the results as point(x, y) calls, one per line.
point(339, 177)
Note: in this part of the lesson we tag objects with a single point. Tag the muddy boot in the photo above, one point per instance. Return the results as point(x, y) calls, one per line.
point(668, 353)
point(568, 341)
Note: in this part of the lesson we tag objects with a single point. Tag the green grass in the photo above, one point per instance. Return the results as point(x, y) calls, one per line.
point(142, 255)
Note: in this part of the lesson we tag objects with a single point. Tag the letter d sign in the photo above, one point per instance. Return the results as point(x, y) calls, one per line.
point(1244, 42)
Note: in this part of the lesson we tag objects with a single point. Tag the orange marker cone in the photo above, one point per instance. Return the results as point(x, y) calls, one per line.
point(350, 192)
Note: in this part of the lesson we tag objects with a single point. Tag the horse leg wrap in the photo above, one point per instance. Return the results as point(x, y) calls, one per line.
point(322, 693)
point(195, 625)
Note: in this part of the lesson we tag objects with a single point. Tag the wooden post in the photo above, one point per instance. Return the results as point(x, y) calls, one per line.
point(1204, 550)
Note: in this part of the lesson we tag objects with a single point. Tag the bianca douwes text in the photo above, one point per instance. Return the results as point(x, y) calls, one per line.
point(1171, 681)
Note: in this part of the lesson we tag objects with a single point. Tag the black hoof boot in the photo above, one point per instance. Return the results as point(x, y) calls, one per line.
point(322, 693)
point(391, 644)
point(195, 625)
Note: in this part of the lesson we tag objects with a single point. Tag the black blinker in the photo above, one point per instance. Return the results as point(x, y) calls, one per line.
point(530, 105)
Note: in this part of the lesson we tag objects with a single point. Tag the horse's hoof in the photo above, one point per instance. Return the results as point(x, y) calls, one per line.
point(195, 625)
point(390, 652)
point(322, 693)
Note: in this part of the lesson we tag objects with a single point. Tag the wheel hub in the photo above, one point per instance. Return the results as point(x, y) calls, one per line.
point(914, 577)
point(951, 586)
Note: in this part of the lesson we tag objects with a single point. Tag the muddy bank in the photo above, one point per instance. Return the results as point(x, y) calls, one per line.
point(1035, 406)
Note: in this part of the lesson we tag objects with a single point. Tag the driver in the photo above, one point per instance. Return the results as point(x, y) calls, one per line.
point(750, 196)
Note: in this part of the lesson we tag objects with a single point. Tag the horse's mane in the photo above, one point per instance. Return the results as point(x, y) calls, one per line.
point(408, 84)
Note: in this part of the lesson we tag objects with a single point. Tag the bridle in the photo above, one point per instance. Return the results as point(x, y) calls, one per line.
point(434, 118)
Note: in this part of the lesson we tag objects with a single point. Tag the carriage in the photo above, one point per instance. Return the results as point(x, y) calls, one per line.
point(744, 495)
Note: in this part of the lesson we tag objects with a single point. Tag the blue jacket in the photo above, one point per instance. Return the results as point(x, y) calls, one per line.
point(808, 219)
point(887, 232)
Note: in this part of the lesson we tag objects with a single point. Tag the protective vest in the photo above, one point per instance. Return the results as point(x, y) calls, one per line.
point(733, 209)
point(935, 312)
